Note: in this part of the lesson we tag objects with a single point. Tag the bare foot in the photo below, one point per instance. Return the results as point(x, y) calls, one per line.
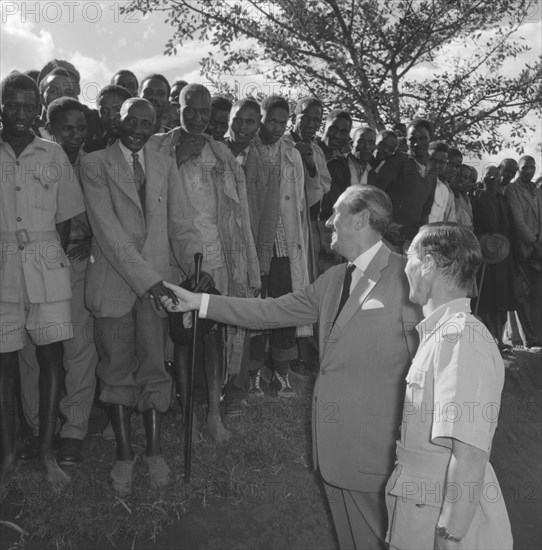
point(52, 472)
point(216, 428)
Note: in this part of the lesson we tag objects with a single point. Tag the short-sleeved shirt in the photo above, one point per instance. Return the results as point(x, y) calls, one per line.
point(453, 391)
point(39, 190)
point(454, 384)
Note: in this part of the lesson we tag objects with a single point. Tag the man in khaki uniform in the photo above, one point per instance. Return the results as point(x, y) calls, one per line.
point(443, 493)
point(40, 195)
point(67, 124)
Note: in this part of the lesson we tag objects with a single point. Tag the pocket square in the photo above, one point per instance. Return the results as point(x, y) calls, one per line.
point(372, 304)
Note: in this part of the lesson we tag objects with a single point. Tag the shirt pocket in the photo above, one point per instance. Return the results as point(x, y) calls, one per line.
point(10, 274)
point(56, 278)
point(42, 194)
point(416, 376)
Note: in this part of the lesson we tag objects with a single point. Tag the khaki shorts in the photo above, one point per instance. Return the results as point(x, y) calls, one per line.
point(44, 324)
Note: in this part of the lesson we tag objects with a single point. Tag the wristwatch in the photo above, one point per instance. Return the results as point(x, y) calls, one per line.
point(443, 533)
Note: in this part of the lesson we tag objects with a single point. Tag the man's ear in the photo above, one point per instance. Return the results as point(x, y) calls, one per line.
point(361, 219)
point(49, 128)
point(429, 264)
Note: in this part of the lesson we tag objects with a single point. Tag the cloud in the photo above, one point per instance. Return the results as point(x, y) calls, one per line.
point(149, 32)
point(28, 48)
point(182, 63)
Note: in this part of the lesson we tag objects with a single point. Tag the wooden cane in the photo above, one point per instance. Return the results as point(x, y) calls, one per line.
point(189, 414)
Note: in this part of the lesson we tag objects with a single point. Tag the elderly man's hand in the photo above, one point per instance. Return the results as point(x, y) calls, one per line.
point(160, 291)
point(183, 300)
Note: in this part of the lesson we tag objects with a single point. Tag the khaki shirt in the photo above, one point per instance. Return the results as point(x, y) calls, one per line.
point(39, 190)
point(453, 392)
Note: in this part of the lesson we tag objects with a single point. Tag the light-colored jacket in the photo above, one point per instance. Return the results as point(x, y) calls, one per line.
point(130, 251)
point(364, 357)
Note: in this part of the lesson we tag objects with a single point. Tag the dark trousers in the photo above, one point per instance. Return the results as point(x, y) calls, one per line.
point(282, 340)
point(530, 308)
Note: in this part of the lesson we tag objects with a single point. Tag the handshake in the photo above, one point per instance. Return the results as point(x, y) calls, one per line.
point(176, 299)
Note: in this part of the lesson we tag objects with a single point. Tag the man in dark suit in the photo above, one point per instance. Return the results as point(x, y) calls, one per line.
point(367, 339)
point(410, 180)
point(525, 201)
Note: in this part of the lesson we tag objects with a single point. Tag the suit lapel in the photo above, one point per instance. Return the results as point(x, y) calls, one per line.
point(121, 174)
point(359, 294)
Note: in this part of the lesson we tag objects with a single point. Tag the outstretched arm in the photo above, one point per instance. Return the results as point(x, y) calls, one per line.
point(186, 300)
point(297, 308)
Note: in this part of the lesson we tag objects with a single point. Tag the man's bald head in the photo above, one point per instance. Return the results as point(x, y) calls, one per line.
point(363, 142)
point(190, 90)
point(144, 103)
point(508, 169)
point(195, 108)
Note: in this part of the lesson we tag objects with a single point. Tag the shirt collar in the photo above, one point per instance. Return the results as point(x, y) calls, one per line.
point(365, 258)
point(35, 143)
point(434, 320)
point(128, 155)
point(241, 157)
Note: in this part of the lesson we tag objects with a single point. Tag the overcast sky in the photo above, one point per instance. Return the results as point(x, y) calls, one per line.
point(99, 40)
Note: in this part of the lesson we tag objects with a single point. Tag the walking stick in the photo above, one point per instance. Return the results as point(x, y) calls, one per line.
point(189, 415)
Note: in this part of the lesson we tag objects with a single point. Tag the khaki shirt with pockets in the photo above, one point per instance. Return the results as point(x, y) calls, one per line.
point(39, 190)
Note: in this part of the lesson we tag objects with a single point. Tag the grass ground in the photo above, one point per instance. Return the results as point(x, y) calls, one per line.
point(265, 464)
point(256, 492)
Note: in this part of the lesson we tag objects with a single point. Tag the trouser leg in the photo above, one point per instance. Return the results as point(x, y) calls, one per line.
point(8, 373)
point(359, 518)
point(80, 360)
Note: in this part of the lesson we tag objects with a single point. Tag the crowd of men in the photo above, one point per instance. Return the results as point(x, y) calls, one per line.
point(102, 208)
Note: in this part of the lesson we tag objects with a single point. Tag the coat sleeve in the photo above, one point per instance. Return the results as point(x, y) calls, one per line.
point(523, 231)
point(294, 309)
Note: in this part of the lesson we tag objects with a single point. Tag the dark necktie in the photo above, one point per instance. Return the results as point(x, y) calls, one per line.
point(346, 289)
point(139, 179)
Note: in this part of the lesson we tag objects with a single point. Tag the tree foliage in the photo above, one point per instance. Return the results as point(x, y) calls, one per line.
point(384, 60)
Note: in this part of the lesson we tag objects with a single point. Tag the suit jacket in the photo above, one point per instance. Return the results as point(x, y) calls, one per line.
point(130, 250)
point(411, 194)
point(364, 358)
point(526, 219)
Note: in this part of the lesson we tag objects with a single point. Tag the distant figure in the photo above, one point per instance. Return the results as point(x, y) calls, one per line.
point(491, 213)
point(525, 200)
point(220, 116)
point(127, 79)
point(155, 88)
point(306, 122)
point(109, 101)
point(174, 94)
point(443, 209)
